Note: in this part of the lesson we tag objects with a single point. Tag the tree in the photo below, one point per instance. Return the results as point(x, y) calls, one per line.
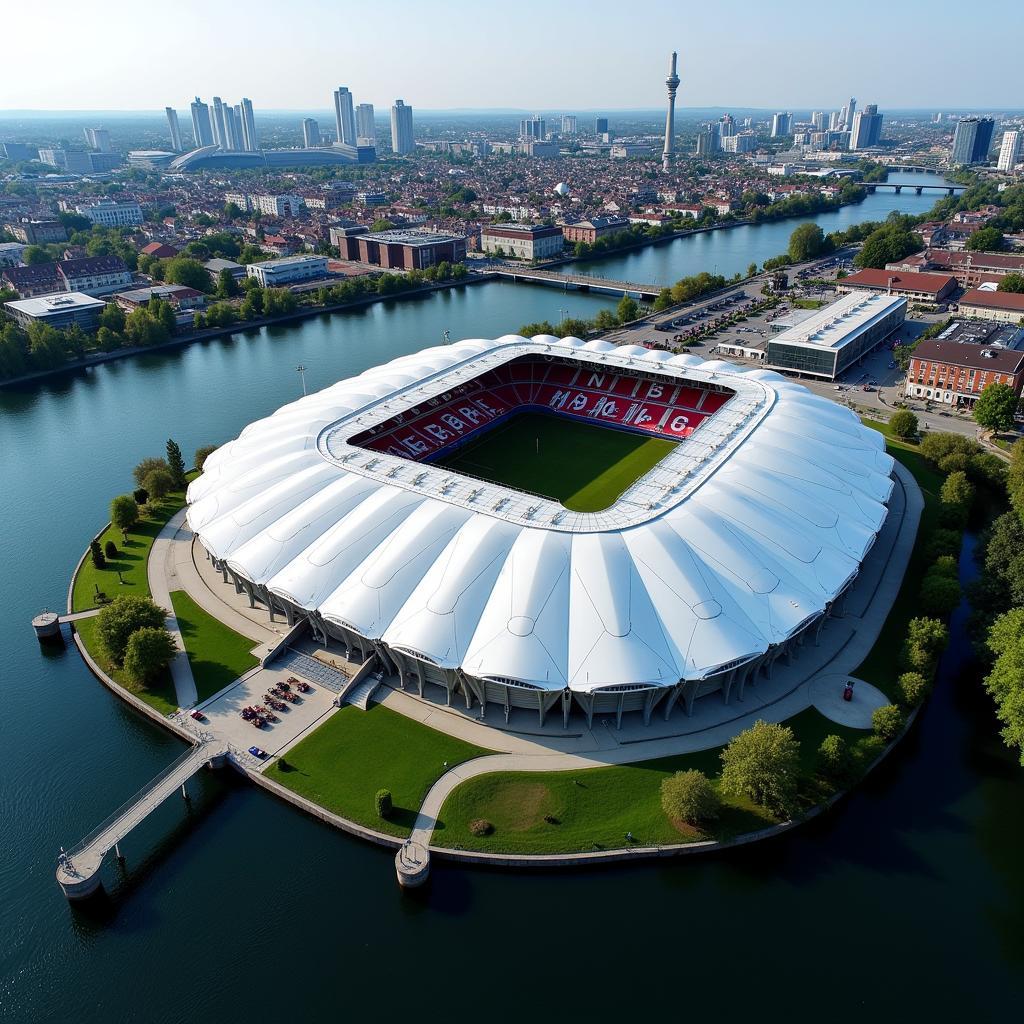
point(935, 447)
point(939, 594)
point(996, 408)
point(628, 309)
point(986, 240)
point(752, 270)
point(806, 242)
point(159, 483)
point(956, 496)
point(762, 763)
point(124, 513)
point(903, 423)
point(1011, 283)
point(188, 272)
point(1005, 682)
point(381, 225)
point(926, 638)
point(148, 652)
point(913, 688)
point(227, 286)
point(33, 255)
point(887, 722)
point(689, 796)
point(122, 617)
point(96, 554)
point(145, 467)
point(202, 454)
point(834, 760)
point(664, 299)
point(112, 317)
point(886, 244)
point(176, 464)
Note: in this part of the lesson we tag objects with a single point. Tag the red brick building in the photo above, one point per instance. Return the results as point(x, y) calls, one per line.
point(969, 268)
point(956, 373)
point(407, 250)
point(590, 231)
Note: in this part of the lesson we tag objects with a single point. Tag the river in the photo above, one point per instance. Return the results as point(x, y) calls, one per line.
point(731, 251)
point(909, 898)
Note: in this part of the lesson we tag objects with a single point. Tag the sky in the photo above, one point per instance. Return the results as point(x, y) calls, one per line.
point(566, 54)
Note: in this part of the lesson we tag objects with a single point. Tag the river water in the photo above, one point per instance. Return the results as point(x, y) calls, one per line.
point(909, 898)
point(731, 251)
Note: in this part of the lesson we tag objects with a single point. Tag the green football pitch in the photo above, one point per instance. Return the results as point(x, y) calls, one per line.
point(583, 465)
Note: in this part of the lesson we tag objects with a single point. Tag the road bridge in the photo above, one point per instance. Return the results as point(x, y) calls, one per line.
point(78, 869)
point(950, 190)
point(578, 282)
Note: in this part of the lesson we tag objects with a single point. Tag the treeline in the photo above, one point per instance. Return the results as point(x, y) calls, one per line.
point(368, 286)
point(627, 310)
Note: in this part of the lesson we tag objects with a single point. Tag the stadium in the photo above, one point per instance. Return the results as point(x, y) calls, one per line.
point(563, 526)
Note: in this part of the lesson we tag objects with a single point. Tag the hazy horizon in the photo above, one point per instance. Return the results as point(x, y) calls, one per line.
point(574, 56)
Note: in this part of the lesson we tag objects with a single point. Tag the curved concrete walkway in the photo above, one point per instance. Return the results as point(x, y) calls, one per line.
point(826, 694)
point(839, 668)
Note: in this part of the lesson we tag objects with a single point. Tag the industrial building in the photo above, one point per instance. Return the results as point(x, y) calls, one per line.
point(288, 270)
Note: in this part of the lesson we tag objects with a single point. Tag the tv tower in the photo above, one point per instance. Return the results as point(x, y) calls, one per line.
point(672, 82)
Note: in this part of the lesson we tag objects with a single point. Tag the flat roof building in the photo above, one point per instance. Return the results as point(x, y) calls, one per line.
point(289, 270)
point(58, 310)
point(837, 336)
point(414, 249)
point(524, 241)
point(110, 214)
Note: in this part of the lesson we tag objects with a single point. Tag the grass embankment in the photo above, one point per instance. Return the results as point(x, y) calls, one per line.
point(585, 466)
point(132, 558)
point(882, 666)
point(218, 655)
point(343, 763)
point(593, 809)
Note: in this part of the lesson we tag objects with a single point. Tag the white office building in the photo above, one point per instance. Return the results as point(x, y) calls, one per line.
point(344, 116)
point(202, 126)
point(175, 128)
point(249, 139)
point(110, 214)
point(402, 140)
point(1010, 150)
point(366, 129)
point(98, 139)
point(568, 124)
point(310, 132)
point(288, 270)
point(782, 124)
point(58, 311)
point(278, 206)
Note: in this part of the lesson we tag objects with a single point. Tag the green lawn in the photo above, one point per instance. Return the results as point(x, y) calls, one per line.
point(159, 695)
point(585, 466)
point(218, 655)
point(596, 807)
point(343, 763)
point(132, 559)
point(881, 666)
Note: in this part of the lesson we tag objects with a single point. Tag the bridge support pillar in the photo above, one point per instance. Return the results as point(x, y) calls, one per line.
point(184, 793)
point(117, 852)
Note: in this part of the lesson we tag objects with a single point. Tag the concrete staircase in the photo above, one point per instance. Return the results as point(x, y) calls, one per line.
point(359, 696)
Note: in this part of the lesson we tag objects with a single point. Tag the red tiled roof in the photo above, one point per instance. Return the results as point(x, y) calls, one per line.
point(994, 300)
point(870, 278)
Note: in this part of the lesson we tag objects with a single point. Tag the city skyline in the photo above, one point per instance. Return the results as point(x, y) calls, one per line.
point(801, 75)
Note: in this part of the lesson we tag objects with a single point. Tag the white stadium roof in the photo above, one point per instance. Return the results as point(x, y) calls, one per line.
point(739, 537)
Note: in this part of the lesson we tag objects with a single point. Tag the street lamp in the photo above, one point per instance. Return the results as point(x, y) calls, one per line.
point(301, 370)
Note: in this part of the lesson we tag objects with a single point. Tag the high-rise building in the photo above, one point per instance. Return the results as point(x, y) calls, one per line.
point(202, 127)
point(705, 143)
point(820, 120)
point(402, 140)
point(249, 126)
point(833, 121)
point(782, 124)
point(344, 116)
point(867, 128)
point(671, 84)
point(568, 124)
point(726, 126)
point(532, 128)
point(310, 133)
point(971, 140)
point(600, 125)
point(1010, 150)
point(172, 123)
point(98, 139)
point(851, 109)
point(366, 126)
point(217, 121)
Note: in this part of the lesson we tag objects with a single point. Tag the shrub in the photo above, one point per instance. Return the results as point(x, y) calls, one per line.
point(159, 483)
point(148, 652)
point(866, 750)
point(202, 454)
point(689, 796)
point(761, 763)
point(480, 827)
point(382, 801)
point(903, 423)
point(122, 617)
point(942, 542)
point(887, 722)
point(913, 689)
point(96, 554)
point(110, 549)
point(926, 639)
point(935, 447)
point(834, 758)
point(124, 512)
point(141, 495)
point(939, 594)
point(145, 467)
